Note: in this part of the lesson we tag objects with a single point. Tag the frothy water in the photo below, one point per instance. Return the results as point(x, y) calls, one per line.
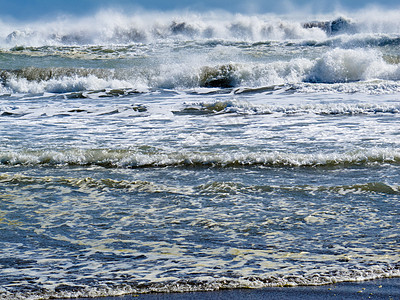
point(162, 152)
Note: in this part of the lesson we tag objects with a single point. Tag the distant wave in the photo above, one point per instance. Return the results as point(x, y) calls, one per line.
point(110, 27)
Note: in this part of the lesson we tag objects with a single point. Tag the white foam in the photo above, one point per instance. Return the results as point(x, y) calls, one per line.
point(68, 84)
point(348, 65)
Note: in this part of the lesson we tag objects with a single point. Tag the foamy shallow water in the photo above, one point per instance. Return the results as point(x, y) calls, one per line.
point(265, 153)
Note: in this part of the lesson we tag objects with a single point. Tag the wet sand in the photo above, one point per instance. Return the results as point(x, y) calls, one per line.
point(374, 289)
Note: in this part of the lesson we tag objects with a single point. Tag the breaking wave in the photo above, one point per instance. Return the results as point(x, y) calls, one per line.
point(158, 158)
point(352, 65)
point(367, 70)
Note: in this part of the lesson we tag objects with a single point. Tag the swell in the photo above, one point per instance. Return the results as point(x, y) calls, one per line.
point(236, 188)
point(45, 74)
point(159, 158)
point(214, 187)
point(92, 183)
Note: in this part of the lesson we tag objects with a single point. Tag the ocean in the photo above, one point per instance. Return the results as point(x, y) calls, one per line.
point(184, 151)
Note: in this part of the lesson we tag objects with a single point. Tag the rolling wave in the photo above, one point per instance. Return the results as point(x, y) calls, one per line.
point(157, 158)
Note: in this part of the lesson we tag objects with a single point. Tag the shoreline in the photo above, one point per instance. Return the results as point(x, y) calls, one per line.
point(387, 288)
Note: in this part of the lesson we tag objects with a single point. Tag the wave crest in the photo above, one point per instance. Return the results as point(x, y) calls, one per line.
point(157, 158)
point(351, 65)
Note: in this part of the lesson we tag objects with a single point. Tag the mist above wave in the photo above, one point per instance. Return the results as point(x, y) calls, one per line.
point(111, 27)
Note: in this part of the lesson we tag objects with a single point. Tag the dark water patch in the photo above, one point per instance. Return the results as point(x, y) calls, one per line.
point(338, 26)
point(223, 76)
point(77, 110)
point(12, 114)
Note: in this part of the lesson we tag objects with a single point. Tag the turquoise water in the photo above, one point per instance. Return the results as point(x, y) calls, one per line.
point(197, 155)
